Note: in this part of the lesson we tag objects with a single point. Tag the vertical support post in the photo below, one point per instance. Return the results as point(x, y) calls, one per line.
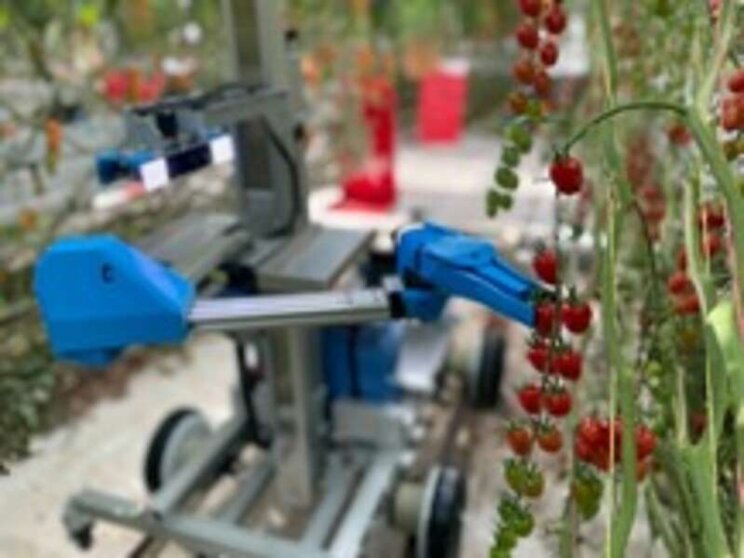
point(271, 190)
point(295, 356)
point(272, 195)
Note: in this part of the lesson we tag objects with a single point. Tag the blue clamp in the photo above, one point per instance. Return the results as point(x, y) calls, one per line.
point(113, 165)
point(98, 296)
point(435, 263)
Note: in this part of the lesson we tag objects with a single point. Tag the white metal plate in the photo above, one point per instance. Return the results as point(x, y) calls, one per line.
point(154, 174)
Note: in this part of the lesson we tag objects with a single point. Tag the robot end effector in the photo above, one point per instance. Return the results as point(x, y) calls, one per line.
point(99, 296)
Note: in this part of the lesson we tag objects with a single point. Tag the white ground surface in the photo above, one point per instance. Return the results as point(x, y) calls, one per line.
point(105, 450)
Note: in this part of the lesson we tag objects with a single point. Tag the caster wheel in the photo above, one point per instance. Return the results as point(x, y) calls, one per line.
point(178, 438)
point(440, 521)
point(485, 379)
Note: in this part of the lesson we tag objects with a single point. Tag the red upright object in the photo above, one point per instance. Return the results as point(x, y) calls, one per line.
point(372, 185)
point(442, 102)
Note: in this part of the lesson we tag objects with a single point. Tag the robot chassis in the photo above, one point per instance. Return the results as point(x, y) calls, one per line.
point(99, 296)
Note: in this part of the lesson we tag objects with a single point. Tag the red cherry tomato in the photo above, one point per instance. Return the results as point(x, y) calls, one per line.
point(576, 316)
point(645, 442)
point(524, 71)
point(531, 8)
point(569, 365)
point(545, 265)
point(589, 431)
point(583, 450)
point(539, 355)
point(549, 53)
point(712, 217)
point(679, 135)
point(550, 439)
point(687, 305)
point(530, 397)
point(679, 283)
point(527, 36)
point(736, 82)
point(601, 459)
point(546, 317)
point(555, 20)
point(542, 83)
point(730, 114)
point(520, 440)
point(567, 174)
point(558, 403)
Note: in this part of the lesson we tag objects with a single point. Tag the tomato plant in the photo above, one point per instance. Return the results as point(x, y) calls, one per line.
point(647, 165)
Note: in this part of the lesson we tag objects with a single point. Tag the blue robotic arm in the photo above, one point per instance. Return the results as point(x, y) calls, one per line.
point(98, 295)
point(435, 263)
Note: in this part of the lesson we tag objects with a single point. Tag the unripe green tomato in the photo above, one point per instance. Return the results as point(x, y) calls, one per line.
point(507, 202)
point(496, 200)
point(507, 178)
point(520, 136)
point(515, 476)
point(493, 199)
point(511, 156)
point(534, 484)
point(535, 110)
point(506, 539)
point(499, 553)
point(524, 524)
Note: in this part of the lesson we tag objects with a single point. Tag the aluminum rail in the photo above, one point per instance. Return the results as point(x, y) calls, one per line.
point(264, 312)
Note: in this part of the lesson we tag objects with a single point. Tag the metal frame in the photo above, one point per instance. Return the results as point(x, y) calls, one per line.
point(331, 532)
point(263, 113)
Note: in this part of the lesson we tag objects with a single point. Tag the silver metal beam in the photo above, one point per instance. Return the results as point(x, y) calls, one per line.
point(339, 485)
point(292, 310)
point(249, 491)
point(208, 536)
point(349, 537)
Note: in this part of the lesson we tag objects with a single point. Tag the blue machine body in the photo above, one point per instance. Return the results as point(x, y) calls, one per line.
point(98, 296)
point(359, 361)
point(436, 262)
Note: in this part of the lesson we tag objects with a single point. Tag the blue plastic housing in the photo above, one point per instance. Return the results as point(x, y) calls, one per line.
point(98, 296)
point(359, 361)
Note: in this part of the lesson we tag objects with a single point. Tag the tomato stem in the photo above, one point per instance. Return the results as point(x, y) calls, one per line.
point(620, 109)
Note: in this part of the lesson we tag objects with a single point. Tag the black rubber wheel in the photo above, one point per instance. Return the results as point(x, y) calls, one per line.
point(159, 445)
point(486, 387)
point(445, 515)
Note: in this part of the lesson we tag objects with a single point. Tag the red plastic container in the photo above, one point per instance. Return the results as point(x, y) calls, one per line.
point(442, 103)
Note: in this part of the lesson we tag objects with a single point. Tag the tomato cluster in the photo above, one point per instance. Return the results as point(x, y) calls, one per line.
point(599, 442)
point(731, 111)
point(711, 224)
point(537, 35)
point(547, 399)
